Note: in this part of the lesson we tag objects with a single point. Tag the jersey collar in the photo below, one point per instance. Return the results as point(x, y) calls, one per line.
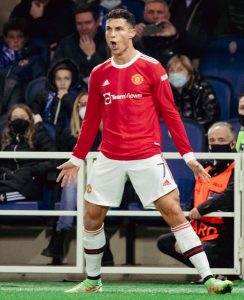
point(127, 64)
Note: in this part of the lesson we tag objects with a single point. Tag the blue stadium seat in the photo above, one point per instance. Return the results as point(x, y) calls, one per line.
point(235, 124)
point(223, 58)
point(223, 92)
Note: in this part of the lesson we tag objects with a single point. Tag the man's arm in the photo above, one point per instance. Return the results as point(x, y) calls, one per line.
point(171, 116)
point(220, 202)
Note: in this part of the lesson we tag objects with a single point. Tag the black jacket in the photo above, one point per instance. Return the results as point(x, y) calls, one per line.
point(27, 176)
point(69, 47)
point(198, 102)
point(66, 103)
point(56, 22)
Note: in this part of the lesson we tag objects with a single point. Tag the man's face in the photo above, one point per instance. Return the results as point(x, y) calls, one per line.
point(241, 106)
point(15, 40)
point(156, 12)
point(63, 79)
point(119, 34)
point(219, 135)
point(86, 24)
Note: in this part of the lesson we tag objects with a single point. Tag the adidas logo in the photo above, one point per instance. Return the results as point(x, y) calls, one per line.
point(106, 82)
point(166, 182)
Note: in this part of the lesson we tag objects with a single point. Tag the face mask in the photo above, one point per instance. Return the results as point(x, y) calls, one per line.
point(19, 126)
point(241, 119)
point(220, 148)
point(178, 80)
point(82, 112)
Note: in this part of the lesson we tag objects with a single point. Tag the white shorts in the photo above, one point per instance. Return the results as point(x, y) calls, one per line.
point(150, 177)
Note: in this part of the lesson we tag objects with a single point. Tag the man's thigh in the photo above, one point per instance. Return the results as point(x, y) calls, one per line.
point(151, 179)
point(106, 182)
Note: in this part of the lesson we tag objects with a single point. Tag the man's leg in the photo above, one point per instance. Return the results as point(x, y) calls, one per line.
point(94, 243)
point(166, 244)
point(188, 241)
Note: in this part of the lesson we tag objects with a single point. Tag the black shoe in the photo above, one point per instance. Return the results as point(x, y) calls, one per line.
point(58, 246)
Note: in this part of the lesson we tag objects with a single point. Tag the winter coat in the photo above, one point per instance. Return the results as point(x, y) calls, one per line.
point(68, 141)
point(21, 66)
point(11, 92)
point(56, 23)
point(40, 103)
point(27, 176)
point(198, 102)
point(69, 47)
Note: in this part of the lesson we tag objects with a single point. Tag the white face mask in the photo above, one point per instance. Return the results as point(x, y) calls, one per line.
point(82, 112)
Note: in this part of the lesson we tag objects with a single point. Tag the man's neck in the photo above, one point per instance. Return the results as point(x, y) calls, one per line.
point(125, 57)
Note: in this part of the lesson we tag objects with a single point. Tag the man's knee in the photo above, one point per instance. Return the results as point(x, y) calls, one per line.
point(93, 216)
point(166, 242)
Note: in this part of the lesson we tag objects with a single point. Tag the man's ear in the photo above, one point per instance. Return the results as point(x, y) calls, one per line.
point(233, 144)
point(132, 33)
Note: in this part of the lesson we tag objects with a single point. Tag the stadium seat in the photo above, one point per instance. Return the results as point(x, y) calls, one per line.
point(223, 58)
point(235, 124)
point(223, 92)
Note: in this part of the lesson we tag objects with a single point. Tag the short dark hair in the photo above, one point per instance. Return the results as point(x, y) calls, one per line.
point(87, 8)
point(120, 13)
point(17, 24)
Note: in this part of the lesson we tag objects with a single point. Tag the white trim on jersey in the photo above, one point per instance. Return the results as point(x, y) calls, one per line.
point(127, 64)
point(149, 58)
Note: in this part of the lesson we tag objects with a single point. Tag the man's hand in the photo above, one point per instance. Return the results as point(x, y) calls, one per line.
point(68, 172)
point(87, 45)
point(198, 170)
point(167, 30)
point(37, 9)
point(61, 93)
point(194, 214)
point(139, 29)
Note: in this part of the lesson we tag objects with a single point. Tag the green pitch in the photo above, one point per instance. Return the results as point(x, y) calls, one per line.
point(29, 290)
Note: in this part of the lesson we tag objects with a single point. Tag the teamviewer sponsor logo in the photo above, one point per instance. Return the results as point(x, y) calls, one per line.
point(108, 97)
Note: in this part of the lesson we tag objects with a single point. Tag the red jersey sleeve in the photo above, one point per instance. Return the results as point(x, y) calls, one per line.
point(169, 111)
point(92, 120)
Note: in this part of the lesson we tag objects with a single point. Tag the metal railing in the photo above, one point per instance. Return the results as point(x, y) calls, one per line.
point(85, 169)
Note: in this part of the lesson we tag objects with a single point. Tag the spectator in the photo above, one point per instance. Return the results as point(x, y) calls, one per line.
point(55, 104)
point(19, 64)
point(193, 96)
point(87, 47)
point(240, 139)
point(216, 233)
point(50, 20)
point(104, 6)
point(59, 244)
point(24, 179)
point(200, 19)
point(158, 37)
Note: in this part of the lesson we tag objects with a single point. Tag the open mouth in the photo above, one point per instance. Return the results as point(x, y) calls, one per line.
point(113, 45)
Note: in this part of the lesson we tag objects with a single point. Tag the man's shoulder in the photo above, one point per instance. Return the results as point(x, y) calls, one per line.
point(70, 39)
point(103, 66)
point(148, 59)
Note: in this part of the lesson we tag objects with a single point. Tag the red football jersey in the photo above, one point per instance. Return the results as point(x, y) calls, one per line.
point(129, 99)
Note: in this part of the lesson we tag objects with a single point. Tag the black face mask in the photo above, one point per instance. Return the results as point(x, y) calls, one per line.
point(19, 126)
point(241, 119)
point(220, 148)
